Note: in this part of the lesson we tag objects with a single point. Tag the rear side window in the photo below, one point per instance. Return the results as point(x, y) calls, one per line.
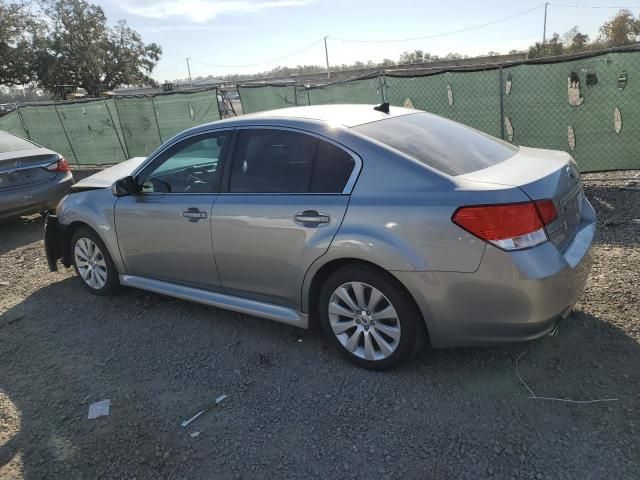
point(283, 161)
point(11, 143)
point(331, 170)
point(442, 144)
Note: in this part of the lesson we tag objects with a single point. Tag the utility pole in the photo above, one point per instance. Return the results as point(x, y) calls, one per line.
point(326, 54)
point(189, 70)
point(544, 30)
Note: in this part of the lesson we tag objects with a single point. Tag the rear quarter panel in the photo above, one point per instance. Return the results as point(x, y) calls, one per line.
point(399, 217)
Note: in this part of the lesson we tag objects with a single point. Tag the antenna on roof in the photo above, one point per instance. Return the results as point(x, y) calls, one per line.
point(383, 107)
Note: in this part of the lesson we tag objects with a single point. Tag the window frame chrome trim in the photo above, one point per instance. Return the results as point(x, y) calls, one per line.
point(347, 190)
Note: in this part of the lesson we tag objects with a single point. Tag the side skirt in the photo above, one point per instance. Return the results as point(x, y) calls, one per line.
point(220, 300)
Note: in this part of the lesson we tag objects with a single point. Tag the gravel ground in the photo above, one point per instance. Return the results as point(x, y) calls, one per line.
point(294, 408)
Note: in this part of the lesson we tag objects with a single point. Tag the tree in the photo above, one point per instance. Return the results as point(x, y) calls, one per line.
point(417, 56)
point(621, 29)
point(81, 49)
point(574, 41)
point(551, 48)
point(18, 37)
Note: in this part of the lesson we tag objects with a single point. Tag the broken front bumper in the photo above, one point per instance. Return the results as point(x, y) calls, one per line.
point(53, 241)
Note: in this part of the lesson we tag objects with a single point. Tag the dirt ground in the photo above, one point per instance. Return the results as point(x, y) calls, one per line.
point(295, 409)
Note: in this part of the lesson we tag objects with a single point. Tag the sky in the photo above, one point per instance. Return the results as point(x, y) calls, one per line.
point(232, 36)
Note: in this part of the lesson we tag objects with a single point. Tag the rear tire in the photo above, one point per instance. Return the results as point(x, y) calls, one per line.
point(93, 263)
point(369, 317)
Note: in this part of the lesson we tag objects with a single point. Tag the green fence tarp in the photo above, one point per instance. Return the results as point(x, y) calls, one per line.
point(472, 98)
point(540, 114)
point(587, 105)
point(267, 97)
point(107, 131)
point(92, 132)
point(354, 91)
point(139, 126)
point(44, 127)
point(179, 112)
point(11, 123)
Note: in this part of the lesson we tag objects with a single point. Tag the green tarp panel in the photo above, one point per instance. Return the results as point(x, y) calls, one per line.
point(353, 91)
point(178, 112)
point(472, 98)
point(111, 105)
point(139, 126)
point(44, 127)
point(92, 132)
point(267, 97)
point(584, 106)
point(11, 123)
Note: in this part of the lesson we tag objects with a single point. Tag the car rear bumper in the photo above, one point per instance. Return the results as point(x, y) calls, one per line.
point(35, 198)
point(513, 296)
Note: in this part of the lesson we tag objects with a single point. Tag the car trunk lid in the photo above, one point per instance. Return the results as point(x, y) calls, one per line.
point(543, 174)
point(26, 167)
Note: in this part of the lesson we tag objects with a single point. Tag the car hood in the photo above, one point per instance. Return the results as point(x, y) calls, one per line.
point(106, 177)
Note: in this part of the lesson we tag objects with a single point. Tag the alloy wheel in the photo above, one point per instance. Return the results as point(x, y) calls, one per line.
point(91, 264)
point(364, 321)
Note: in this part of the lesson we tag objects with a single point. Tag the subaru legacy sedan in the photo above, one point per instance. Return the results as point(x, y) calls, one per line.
point(384, 226)
point(32, 178)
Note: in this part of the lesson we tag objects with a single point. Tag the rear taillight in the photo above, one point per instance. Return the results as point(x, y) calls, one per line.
point(60, 166)
point(511, 226)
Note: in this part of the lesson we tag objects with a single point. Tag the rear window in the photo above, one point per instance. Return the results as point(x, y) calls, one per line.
point(445, 145)
point(11, 143)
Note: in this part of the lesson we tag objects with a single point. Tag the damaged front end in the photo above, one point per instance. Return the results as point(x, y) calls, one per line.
point(53, 241)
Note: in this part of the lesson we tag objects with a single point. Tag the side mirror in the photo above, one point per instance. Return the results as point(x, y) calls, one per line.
point(125, 186)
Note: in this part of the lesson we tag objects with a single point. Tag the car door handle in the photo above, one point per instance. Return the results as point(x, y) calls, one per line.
point(193, 214)
point(311, 216)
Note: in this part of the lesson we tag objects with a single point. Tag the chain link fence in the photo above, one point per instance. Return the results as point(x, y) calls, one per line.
point(107, 131)
point(586, 104)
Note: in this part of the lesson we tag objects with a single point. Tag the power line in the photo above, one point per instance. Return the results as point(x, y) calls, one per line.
point(169, 67)
point(475, 27)
point(263, 63)
point(594, 6)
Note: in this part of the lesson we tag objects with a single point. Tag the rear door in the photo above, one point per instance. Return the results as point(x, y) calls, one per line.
point(164, 232)
point(286, 197)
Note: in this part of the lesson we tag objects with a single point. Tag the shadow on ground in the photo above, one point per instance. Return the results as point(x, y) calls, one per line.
point(294, 407)
point(20, 231)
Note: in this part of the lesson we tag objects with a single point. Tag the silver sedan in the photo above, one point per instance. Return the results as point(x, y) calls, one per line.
point(383, 226)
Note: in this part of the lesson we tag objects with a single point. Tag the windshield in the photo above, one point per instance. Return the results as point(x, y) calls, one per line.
point(447, 146)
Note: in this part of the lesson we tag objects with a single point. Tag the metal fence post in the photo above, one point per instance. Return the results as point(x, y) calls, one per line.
point(55, 107)
point(115, 128)
point(382, 81)
point(24, 125)
point(155, 115)
point(124, 139)
point(295, 94)
point(500, 82)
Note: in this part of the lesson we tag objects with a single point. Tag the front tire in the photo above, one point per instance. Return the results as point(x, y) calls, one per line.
point(93, 263)
point(369, 317)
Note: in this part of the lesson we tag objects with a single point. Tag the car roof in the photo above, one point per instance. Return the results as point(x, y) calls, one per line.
point(346, 115)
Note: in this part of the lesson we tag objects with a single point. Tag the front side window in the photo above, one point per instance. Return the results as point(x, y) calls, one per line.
point(282, 161)
point(191, 166)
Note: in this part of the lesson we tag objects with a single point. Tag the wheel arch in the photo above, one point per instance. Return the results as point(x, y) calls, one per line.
point(69, 231)
point(314, 281)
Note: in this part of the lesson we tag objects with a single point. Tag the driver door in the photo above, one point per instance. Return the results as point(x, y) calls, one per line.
point(164, 232)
